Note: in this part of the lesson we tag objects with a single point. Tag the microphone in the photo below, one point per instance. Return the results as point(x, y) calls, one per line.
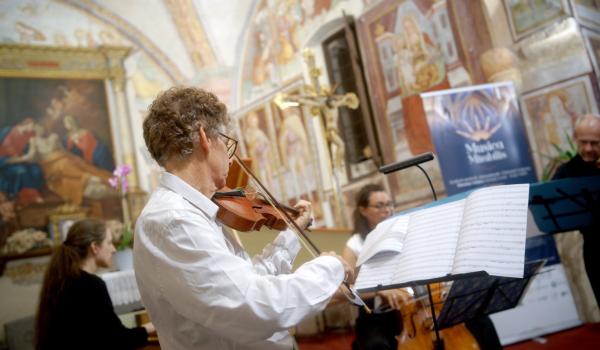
point(421, 158)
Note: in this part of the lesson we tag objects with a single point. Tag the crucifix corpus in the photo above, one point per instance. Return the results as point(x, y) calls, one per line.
point(324, 103)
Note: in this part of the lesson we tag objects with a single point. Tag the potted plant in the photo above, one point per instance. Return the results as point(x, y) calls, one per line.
point(123, 241)
point(563, 156)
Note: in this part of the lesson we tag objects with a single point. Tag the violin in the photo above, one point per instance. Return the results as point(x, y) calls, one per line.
point(418, 328)
point(244, 212)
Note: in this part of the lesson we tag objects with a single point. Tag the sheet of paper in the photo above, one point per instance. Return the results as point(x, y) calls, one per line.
point(430, 244)
point(493, 231)
point(387, 236)
point(377, 271)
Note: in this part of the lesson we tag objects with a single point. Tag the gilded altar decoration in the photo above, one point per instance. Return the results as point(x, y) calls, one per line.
point(25, 240)
point(57, 136)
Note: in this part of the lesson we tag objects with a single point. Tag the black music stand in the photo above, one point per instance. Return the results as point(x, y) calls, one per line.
point(491, 297)
point(438, 343)
point(565, 205)
point(483, 295)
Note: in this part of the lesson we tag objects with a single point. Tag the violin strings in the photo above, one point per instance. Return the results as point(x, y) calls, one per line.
point(275, 204)
point(354, 298)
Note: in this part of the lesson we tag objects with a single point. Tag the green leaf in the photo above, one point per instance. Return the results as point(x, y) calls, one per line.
point(563, 156)
point(126, 238)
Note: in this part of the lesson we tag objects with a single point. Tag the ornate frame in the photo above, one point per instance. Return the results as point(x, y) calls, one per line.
point(59, 217)
point(519, 34)
point(582, 88)
point(104, 63)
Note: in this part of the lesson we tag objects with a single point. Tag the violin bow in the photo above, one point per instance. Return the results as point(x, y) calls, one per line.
point(350, 294)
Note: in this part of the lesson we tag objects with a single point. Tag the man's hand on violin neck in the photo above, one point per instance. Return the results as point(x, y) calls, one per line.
point(304, 218)
point(348, 271)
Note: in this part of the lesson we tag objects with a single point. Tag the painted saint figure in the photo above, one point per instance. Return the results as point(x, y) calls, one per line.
point(67, 175)
point(420, 63)
point(84, 144)
point(259, 148)
point(19, 180)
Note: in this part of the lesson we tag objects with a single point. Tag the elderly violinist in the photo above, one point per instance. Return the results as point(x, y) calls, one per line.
point(201, 289)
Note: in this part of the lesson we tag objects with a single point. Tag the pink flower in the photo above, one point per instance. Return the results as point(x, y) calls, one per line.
point(114, 182)
point(120, 178)
point(122, 170)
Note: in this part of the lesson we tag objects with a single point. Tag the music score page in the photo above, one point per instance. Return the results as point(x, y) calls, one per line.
point(484, 231)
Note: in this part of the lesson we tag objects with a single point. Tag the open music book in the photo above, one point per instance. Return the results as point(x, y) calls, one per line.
point(485, 230)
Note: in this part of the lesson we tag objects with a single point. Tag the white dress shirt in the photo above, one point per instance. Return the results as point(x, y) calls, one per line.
point(203, 292)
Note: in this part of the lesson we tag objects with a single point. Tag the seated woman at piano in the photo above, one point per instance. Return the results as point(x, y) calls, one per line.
point(75, 310)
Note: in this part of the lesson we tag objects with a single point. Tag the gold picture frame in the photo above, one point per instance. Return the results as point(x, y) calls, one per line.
point(58, 73)
point(61, 219)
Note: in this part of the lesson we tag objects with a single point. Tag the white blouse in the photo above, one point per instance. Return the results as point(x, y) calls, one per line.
point(355, 243)
point(203, 292)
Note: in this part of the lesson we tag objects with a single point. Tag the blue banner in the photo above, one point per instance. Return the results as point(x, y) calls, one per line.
point(479, 137)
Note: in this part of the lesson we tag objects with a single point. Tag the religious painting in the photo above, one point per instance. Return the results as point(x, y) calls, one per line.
point(273, 41)
point(301, 167)
point(592, 44)
point(587, 12)
point(550, 114)
point(404, 55)
point(525, 17)
point(297, 158)
point(260, 146)
point(56, 135)
point(55, 141)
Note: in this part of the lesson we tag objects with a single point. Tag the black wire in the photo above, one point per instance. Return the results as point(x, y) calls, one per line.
point(429, 180)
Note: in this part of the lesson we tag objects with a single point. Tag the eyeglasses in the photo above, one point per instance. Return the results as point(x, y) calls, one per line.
point(381, 205)
point(231, 145)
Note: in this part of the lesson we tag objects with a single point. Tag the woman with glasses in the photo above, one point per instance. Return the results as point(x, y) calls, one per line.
point(378, 329)
point(200, 287)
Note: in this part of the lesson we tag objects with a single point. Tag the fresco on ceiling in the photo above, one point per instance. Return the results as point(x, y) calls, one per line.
point(276, 32)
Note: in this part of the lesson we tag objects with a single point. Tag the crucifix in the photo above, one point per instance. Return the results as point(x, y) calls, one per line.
point(324, 103)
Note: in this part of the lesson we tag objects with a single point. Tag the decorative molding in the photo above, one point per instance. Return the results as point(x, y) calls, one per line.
point(190, 29)
point(27, 61)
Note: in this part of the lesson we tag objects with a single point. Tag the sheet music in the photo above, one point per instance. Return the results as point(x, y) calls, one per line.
point(378, 271)
point(122, 287)
point(484, 231)
point(387, 236)
point(493, 231)
point(429, 246)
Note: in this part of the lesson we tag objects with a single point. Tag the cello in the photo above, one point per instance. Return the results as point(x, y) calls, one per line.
point(418, 329)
